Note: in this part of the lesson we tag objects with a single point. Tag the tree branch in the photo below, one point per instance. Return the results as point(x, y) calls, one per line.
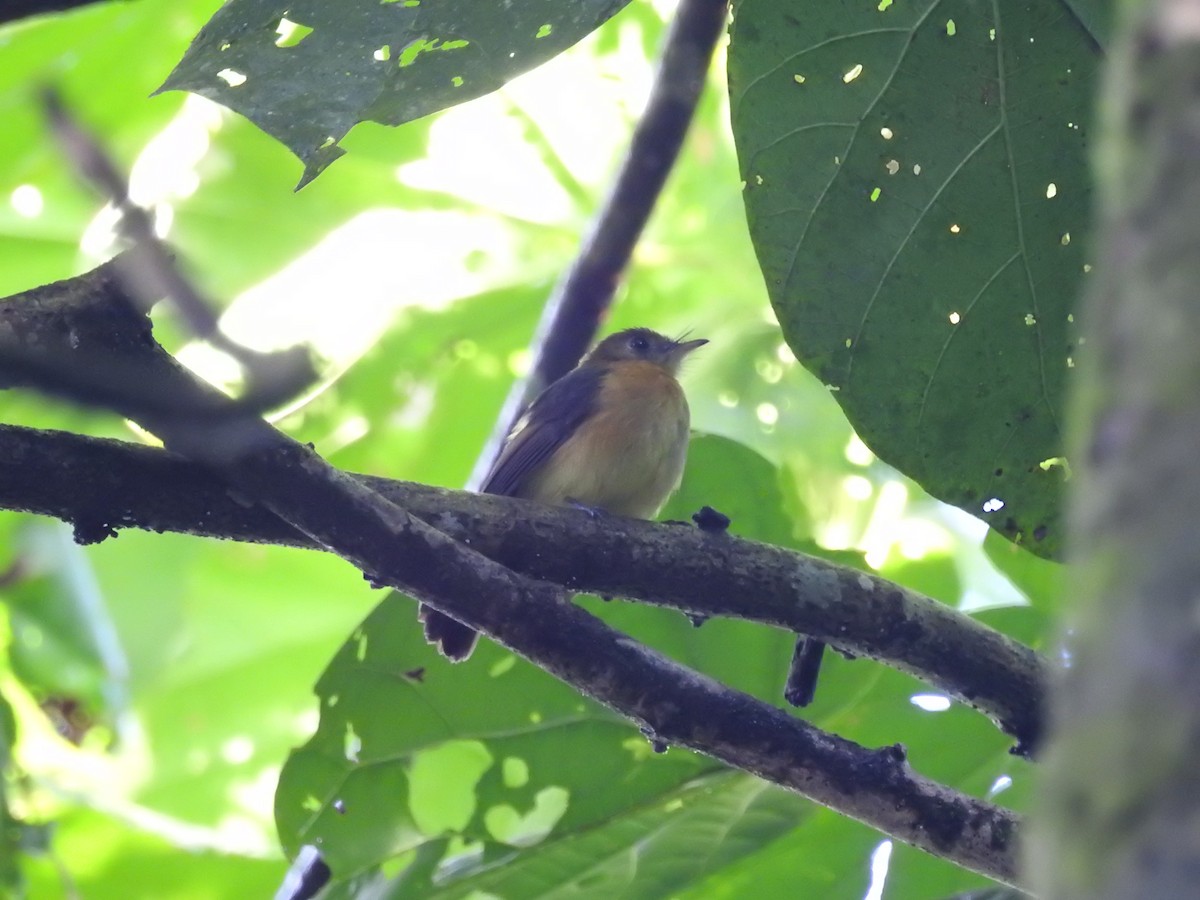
point(675, 704)
point(109, 484)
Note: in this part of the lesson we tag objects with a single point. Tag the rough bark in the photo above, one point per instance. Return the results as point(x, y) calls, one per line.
point(1120, 810)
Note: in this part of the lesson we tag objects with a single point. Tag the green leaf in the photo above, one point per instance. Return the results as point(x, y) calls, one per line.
point(65, 645)
point(500, 739)
point(917, 190)
point(306, 72)
point(652, 851)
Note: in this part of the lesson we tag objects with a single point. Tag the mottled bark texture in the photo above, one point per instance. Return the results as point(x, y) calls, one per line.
point(1120, 794)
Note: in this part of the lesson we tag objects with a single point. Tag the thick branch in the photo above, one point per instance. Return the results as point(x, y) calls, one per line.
point(100, 484)
point(677, 705)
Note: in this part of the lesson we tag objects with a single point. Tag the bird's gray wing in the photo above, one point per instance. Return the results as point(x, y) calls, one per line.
point(548, 423)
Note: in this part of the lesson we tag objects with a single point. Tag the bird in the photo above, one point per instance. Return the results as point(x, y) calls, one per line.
point(609, 436)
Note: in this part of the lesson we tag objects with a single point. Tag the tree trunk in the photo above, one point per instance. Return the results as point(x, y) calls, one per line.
point(1120, 796)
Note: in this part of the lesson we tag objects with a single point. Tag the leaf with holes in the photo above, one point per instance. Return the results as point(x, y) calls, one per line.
point(306, 71)
point(917, 189)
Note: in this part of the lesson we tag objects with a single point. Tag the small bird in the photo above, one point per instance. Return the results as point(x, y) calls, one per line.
point(609, 435)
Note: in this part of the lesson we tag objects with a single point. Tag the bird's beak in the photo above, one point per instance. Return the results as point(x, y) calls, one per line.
point(683, 348)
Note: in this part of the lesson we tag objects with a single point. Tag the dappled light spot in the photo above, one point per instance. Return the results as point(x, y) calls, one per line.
point(535, 717)
point(951, 29)
point(1030, 319)
point(328, 142)
point(769, 371)
point(311, 804)
point(883, 4)
point(875, 193)
point(995, 504)
point(502, 665)
point(886, 133)
point(456, 80)
point(351, 743)
point(798, 78)
point(853, 73)
point(930, 702)
point(383, 54)
point(27, 201)
point(881, 858)
point(849, 343)
point(955, 318)
point(916, 168)
point(954, 229)
point(306, 722)
point(1065, 239)
point(767, 413)
point(290, 33)
point(508, 826)
point(1000, 785)
point(225, 45)
point(892, 166)
point(758, 179)
point(519, 362)
point(515, 772)
point(232, 77)
point(1070, 362)
point(1055, 462)
point(360, 645)
point(332, 700)
point(858, 453)
point(857, 487)
point(1087, 267)
point(544, 31)
point(1051, 191)
point(991, 34)
point(237, 750)
point(785, 355)
point(728, 398)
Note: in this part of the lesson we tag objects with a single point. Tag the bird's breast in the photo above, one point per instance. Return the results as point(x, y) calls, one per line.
point(628, 456)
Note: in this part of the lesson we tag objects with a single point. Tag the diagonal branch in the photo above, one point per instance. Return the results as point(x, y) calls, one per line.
point(529, 616)
point(118, 485)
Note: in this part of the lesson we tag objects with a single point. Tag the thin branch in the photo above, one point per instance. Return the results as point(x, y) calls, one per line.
point(675, 704)
point(100, 485)
point(581, 298)
point(150, 271)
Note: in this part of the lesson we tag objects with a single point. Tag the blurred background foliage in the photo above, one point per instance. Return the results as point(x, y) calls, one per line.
point(153, 686)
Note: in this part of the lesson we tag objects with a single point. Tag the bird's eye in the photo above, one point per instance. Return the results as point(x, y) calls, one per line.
point(639, 344)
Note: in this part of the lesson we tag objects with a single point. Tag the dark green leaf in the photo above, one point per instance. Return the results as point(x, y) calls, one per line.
point(306, 72)
point(918, 193)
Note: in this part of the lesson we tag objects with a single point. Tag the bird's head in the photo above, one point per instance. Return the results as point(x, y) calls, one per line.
point(646, 345)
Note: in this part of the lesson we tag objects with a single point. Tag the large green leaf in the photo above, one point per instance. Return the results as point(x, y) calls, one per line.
point(918, 195)
point(306, 72)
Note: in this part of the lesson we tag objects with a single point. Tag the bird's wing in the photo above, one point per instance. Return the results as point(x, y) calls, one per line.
point(548, 423)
